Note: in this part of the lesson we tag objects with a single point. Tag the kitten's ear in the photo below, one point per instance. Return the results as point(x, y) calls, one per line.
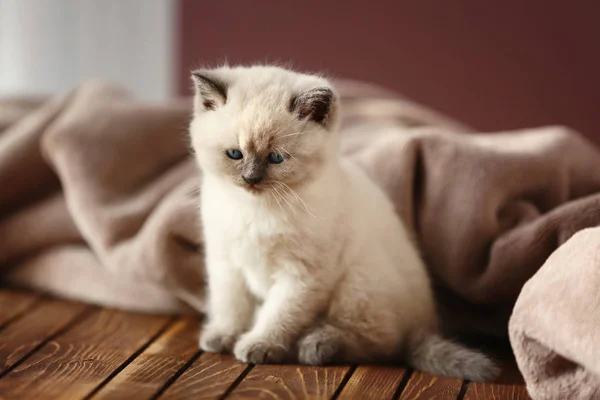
point(211, 91)
point(315, 104)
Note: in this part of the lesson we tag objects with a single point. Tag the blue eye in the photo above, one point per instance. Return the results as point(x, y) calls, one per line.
point(234, 154)
point(275, 158)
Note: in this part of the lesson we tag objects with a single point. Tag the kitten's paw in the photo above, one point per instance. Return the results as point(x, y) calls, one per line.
point(317, 348)
point(256, 350)
point(215, 340)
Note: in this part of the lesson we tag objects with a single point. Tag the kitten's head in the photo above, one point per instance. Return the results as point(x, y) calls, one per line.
point(261, 128)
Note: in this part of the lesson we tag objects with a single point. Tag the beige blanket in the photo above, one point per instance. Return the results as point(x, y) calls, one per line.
point(97, 198)
point(555, 328)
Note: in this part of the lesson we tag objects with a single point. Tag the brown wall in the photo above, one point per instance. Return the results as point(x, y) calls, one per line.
point(493, 64)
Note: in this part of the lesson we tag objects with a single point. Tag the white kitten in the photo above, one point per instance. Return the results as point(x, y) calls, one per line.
point(306, 258)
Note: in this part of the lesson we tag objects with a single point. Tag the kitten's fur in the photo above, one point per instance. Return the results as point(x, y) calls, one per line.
point(311, 264)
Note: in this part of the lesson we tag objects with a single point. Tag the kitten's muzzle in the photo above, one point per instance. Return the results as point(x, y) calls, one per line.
point(253, 179)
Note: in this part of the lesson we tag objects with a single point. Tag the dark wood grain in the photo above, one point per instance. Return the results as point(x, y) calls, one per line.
point(422, 385)
point(23, 335)
point(208, 377)
point(151, 370)
point(509, 385)
point(13, 303)
point(496, 391)
point(77, 361)
point(53, 348)
point(373, 382)
point(290, 382)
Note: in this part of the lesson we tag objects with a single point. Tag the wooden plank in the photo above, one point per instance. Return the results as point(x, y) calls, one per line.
point(152, 369)
point(22, 336)
point(208, 377)
point(509, 385)
point(13, 303)
point(78, 360)
point(422, 385)
point(496, 391)
point(290, 382)
point(373, 382)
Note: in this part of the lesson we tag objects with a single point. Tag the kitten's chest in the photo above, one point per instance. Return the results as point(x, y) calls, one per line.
point(251, 242)
point(250, 238)
point(261, 252)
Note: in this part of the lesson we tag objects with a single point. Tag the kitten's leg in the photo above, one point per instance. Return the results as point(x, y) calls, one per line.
point(290, 307)
point(230, 308)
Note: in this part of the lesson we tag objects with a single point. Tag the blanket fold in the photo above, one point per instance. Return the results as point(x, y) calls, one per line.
point(98, 198)
point(554, 329)
point(488, 210)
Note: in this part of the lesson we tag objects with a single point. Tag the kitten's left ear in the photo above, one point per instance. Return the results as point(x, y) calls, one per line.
point(211, 91)
point(316, 104)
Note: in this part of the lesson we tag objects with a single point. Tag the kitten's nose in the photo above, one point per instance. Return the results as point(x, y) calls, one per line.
point(253, 179)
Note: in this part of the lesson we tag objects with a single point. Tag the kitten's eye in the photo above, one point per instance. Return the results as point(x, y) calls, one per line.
point(234, 154)
point(275, 158)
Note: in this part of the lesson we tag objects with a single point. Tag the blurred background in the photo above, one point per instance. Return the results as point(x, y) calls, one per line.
point(494, 65)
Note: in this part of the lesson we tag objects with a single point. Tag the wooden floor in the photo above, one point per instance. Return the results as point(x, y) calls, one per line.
point(53, 348)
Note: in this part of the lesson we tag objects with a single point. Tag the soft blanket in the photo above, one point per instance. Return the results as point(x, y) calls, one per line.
point(98, 198)
point(555, 328)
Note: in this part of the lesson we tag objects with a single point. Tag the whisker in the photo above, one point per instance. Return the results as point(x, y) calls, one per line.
point(286, 200)
point(288, 126)
point(297, 197)
point(275, 196)
point(283, 128)
point(277, 132)
point(292, 134)
point(269, 202)
point(282, 149)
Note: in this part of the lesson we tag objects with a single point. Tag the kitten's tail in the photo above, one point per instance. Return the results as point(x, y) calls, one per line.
point(440, 356)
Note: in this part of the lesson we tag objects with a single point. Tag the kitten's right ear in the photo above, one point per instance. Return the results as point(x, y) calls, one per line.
point(211, 91)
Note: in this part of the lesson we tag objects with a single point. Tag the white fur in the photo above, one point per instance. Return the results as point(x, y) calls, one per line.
point(326, 274)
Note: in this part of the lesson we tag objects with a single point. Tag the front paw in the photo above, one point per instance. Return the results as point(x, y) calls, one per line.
point(215, 340)
point(256, 350)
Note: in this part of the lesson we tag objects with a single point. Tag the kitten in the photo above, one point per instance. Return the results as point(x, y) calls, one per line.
point(306, 258)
